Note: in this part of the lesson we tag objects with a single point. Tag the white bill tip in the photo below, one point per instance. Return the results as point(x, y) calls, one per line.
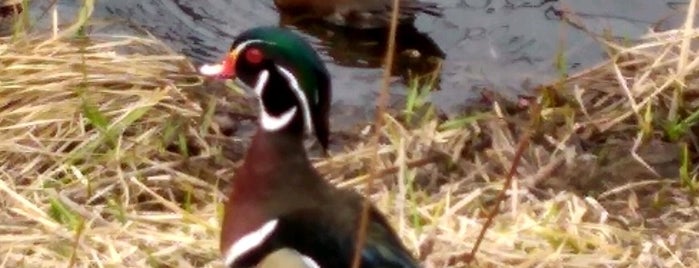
point(211, 70)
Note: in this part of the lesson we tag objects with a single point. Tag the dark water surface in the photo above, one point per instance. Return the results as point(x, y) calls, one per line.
point(504, 45)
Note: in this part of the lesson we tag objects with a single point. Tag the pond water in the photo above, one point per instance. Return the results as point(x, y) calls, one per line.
point(508, 46)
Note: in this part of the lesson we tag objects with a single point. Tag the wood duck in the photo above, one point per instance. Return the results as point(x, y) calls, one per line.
point(279, 205)
point(361, 14)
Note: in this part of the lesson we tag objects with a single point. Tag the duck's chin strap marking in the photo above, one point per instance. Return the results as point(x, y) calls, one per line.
point(272, 123)
point(268, 121)
point(305, 109)
point(249, 242)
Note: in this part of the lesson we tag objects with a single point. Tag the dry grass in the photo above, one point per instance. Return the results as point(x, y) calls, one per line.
point(89, 173)
point(107, 161)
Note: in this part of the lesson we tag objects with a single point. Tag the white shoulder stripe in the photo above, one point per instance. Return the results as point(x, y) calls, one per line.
point(249, 242)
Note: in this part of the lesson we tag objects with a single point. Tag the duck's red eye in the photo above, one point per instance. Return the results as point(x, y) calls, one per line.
point(254, 55)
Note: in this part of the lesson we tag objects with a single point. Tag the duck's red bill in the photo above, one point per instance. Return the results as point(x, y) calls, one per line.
point(224, 70)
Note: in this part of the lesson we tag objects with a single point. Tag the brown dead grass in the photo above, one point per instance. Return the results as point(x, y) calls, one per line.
point(108, 161)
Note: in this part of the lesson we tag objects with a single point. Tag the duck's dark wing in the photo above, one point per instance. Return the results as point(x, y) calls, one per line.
point(315, 235)
point(382, 246)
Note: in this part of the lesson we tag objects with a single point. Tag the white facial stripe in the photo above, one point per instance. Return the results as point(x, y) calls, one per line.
point(242, 45)
point(215, 69)
point(305, 109)
point(261, 82)
point(248, 242)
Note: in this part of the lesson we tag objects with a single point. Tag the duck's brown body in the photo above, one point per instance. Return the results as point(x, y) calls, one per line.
point(315, 218)
point(363, 14)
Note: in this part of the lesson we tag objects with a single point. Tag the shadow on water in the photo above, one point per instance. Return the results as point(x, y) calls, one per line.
point(507, 46)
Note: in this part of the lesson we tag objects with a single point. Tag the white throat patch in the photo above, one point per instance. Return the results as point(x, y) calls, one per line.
point(305, 109)
point(249, 242)
point(274, 123)
point(268, 121)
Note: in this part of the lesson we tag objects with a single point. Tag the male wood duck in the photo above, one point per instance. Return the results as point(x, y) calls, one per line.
point(362, 14)
point(279, 206)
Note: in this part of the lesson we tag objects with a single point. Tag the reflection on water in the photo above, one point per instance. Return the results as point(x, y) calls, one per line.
point(504, 45)
point(416, 53)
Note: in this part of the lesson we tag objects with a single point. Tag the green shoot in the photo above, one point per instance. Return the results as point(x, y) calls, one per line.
point(61, 214)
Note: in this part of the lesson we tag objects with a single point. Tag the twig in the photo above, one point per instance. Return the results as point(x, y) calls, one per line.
point(521, 146)
point(381, 104)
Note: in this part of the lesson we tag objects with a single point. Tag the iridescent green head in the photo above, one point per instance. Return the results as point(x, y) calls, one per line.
point(287, 75)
